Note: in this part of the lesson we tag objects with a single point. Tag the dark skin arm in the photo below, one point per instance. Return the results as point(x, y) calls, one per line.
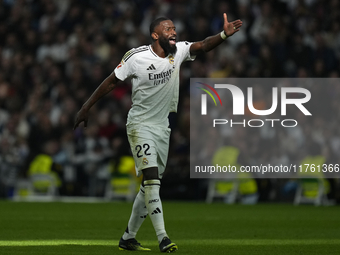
point(211, 42)
point(105, 87)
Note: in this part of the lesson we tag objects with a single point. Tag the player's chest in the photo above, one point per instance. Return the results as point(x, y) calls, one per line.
point(157, 71)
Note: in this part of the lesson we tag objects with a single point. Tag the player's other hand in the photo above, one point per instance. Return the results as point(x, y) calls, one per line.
point(82, 116)
point(231, 28)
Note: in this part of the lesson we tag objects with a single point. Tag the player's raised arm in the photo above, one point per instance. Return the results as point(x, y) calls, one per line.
point(209, 43)
point(105, 87)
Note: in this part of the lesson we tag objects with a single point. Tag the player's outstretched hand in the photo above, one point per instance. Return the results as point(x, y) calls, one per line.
point(231, 28)
point(81, 116)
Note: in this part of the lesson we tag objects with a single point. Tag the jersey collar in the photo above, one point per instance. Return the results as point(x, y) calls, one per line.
point(150, 48)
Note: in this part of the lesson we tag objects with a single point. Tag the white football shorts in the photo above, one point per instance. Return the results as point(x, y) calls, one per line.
point(149, 146)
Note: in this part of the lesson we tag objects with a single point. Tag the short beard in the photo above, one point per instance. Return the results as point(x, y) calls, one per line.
point(168, 49)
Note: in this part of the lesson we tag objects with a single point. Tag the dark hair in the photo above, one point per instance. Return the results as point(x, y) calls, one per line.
point(156, 22)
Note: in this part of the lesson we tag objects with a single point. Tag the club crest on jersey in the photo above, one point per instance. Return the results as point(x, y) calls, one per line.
point(172, 60)
point(145, 161)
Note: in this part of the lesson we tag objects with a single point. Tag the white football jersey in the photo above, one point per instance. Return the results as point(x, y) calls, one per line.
point(155, 82)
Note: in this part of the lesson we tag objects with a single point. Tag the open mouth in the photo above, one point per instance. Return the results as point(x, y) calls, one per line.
point(172, 40)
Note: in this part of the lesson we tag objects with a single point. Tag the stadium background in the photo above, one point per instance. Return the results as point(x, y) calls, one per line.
point(55, 53)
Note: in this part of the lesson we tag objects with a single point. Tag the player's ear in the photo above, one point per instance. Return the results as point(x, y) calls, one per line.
point(154, 36)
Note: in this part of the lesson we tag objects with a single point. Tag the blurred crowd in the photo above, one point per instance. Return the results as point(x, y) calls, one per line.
point(54, 53)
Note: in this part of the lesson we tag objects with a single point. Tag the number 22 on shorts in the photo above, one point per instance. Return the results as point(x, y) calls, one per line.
point(146, 147)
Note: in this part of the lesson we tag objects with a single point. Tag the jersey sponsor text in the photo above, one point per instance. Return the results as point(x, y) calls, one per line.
point(160, 78)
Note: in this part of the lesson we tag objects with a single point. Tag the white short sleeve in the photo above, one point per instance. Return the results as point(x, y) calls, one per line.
point(183, 48)
point(126, 67)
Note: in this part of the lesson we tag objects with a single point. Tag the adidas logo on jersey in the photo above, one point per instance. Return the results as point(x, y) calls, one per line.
point(152, 67)
point(156, 211)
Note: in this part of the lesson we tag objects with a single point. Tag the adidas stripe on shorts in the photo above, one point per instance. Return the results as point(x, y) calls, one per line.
point(149, 146)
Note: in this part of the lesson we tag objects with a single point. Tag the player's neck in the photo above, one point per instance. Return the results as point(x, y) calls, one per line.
point(158, 50)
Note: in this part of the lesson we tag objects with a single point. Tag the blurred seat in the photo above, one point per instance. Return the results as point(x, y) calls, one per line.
point(311, 191)
point(43, 180)
point(225, 189)
point(231, 186)
point(44, 184)
point(123, 184)
point(312, 186)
